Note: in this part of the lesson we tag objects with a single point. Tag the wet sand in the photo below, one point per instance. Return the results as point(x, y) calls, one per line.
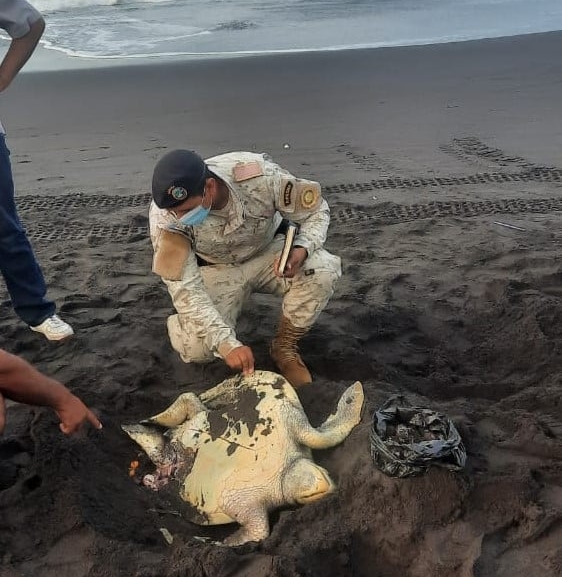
point(442, 168)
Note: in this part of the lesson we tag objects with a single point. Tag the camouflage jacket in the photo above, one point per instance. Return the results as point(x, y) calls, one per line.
point(261, 195)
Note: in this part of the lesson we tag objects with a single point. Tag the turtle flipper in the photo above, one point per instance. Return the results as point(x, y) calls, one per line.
point(149, 439)
point(254, 523)
point(337, 426)
point(185, 407)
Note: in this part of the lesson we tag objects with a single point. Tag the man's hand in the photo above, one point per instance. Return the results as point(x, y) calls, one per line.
point(296, 259)
point(2, 414)
point(73, 414)
point(241, 359)
point(21, 383)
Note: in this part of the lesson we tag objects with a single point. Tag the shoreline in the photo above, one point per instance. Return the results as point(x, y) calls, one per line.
point(49, 60)
point(506, 91)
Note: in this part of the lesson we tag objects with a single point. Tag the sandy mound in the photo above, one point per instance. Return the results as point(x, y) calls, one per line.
point(438, 302)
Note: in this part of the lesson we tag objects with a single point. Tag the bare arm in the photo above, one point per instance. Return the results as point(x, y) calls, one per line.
point(20, 382)
point(19, 52)
point(2, 414)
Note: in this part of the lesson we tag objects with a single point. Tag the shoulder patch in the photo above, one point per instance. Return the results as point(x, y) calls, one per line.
point(298, 194)
point(308, 195)
point(170, 255)
point(286, 193)
point(246, 170)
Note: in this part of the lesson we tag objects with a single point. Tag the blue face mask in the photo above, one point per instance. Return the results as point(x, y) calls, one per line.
point(195, 216)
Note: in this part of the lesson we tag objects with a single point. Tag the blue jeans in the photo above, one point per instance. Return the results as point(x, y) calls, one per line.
point(19, 268)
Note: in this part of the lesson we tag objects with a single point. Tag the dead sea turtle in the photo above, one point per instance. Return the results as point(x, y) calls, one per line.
point(243, 448)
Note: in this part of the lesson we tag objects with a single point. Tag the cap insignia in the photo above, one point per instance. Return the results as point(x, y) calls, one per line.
point(177, 192)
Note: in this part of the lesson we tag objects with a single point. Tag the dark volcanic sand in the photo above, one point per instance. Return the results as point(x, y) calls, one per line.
point(437, 302)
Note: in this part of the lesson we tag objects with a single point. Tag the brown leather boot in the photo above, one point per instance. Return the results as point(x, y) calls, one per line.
point(285, 354)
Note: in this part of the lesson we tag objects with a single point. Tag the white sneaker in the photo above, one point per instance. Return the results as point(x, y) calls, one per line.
point(54, 328)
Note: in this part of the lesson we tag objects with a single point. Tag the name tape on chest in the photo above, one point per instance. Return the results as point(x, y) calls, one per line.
point(246, 171)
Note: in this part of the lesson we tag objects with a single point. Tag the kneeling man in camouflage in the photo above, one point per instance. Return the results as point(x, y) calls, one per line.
point(218, 227)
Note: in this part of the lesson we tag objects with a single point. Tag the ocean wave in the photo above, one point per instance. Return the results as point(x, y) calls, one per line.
point(266, 52)
point(137, 29)
point(118, 55)
point(46, 6)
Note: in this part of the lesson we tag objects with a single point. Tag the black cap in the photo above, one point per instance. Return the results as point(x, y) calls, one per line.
point(178, 175)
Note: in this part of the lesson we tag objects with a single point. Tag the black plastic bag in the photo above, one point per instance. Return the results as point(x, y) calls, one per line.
point(406, 440)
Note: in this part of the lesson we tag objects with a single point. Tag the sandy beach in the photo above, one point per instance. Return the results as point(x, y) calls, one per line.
point(442, 168)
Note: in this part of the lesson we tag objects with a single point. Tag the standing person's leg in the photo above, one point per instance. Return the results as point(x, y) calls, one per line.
point(19, 268)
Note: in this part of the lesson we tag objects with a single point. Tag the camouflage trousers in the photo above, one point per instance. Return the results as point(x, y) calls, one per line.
point(229, 286)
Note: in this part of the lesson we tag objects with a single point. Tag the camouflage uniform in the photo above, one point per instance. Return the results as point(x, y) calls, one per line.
point(238, 246)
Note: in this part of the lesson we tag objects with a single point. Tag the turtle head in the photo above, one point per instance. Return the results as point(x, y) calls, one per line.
point(305, 482)
point(150, 440)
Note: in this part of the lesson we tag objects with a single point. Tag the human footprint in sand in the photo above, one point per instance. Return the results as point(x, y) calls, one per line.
point(19, 268)
point(217, 228)
point(20, 382)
